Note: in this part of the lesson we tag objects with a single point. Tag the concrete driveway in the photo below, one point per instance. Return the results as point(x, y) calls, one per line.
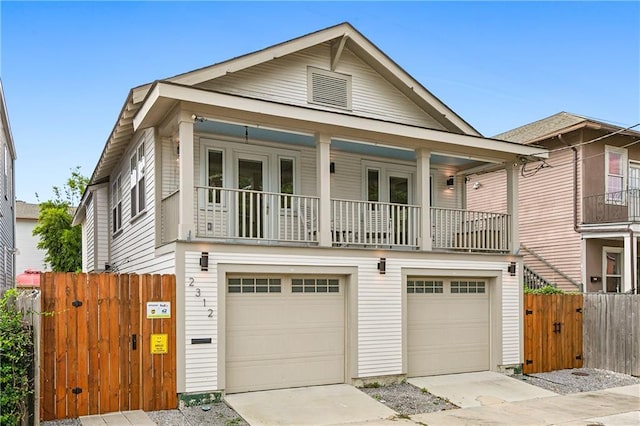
point(317, 405)
point(478, 389)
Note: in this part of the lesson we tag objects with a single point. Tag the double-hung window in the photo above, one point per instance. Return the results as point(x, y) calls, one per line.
point(116, 205)
point(616, 174)
point(138, 196)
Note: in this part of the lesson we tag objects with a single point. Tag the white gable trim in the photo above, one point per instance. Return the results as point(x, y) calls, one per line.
point(360, 45)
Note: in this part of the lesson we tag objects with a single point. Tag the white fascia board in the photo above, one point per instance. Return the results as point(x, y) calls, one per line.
point(326, 118)
point(261, 56)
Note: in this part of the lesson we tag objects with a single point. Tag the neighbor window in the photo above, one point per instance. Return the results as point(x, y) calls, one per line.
point(116, 205)
point(6, 171)
point(138, 197)
point(616, 174)
point(612, 268)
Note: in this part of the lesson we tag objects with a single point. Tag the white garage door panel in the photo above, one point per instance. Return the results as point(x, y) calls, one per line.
point(447, 333)
point(279, 340)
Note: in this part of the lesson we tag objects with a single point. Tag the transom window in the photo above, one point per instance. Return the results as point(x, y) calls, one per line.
point(254, 285)
point(424, 286)
point(315, 285)
point(458, 287)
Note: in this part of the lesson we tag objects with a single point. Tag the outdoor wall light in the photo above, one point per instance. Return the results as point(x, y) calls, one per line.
point(204, 261)
point(512, 269)
point(450, 182)
point(332, 167)
point(382, 266)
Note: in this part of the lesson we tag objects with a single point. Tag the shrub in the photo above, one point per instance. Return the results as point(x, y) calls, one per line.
point(547, 289)
point(16, 352)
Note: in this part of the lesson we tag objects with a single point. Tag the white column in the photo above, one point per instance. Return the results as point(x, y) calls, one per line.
point(323, 181)
point(423, 192)
point(628, 263)
point(513, 171)
point(186, 229)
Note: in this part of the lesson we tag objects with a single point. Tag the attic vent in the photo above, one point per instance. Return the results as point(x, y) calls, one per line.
point(329, 88)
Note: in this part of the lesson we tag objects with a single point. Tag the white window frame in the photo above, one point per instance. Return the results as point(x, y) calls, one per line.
point(6, 173)
point(615, 199)
point(137, 181)
point(618, 250)
point(385, 171)
point(116, 205)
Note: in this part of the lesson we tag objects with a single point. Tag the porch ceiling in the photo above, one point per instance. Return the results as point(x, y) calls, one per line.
point(300, 139)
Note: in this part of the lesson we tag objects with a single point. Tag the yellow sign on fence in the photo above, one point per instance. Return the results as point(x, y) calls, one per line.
point(159, 343)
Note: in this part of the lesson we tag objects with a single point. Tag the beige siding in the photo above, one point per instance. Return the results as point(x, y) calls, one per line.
point(545, 209)
point(285, 80)
point(379, 309)
point(101, 226)
point(133, 249)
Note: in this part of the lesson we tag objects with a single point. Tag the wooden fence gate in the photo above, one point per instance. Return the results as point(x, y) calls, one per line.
point(108, 344)
point(552, 332)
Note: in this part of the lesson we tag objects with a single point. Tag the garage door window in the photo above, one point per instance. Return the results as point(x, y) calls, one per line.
point(421, 286)
point(466, 287)
point(315, 285)
point(254, 285)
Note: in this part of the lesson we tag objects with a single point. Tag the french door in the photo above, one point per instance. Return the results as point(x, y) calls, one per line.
point(252, 217)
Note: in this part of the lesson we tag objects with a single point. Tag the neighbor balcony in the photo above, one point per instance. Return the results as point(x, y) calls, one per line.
point(612, 207)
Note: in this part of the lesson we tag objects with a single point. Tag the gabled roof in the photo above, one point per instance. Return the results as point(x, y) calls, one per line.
point(349, 37)
point(26, 210)
point(562, 122)
point(344, 34)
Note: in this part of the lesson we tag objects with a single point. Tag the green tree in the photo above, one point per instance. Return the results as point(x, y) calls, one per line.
point(61, 241)
point(16, 352)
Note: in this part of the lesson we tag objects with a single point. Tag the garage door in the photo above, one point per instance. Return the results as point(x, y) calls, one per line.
point(284, 332)
point(447, 326)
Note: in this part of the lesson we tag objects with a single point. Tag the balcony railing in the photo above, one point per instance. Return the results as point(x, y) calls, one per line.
point(621, 206)
point(470, 230)
point(170, 217)
point(374, 224)
point(235, 214)
point(256, 215)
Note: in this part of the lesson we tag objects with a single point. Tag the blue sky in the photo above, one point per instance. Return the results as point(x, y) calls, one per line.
point(67, 67)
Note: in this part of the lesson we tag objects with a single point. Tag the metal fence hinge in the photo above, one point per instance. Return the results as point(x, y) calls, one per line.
point(76, 303)
point(76, 391)
point(528, 312)
point(529, 362)
point(579, 310)
point(578, 356)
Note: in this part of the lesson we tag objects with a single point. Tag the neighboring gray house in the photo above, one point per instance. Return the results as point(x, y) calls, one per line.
point(310, 199)
point(28, 256)
point(7, 198)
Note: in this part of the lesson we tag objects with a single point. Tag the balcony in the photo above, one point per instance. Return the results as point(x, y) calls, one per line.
point(235, 215)
point(612, 207)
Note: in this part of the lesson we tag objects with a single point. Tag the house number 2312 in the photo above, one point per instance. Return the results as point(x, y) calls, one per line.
point(198, 293)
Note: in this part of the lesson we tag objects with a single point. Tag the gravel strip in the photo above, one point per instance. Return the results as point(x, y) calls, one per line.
point(217, 414)
point(576, 380)
point(406, 399)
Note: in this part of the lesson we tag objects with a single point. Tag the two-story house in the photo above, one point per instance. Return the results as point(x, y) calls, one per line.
point(309, 198)
point(579, 212)
point(7, 199)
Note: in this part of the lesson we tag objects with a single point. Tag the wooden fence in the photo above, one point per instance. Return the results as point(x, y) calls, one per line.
point(106, 345)
point(612, 332)
point(552, 332)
